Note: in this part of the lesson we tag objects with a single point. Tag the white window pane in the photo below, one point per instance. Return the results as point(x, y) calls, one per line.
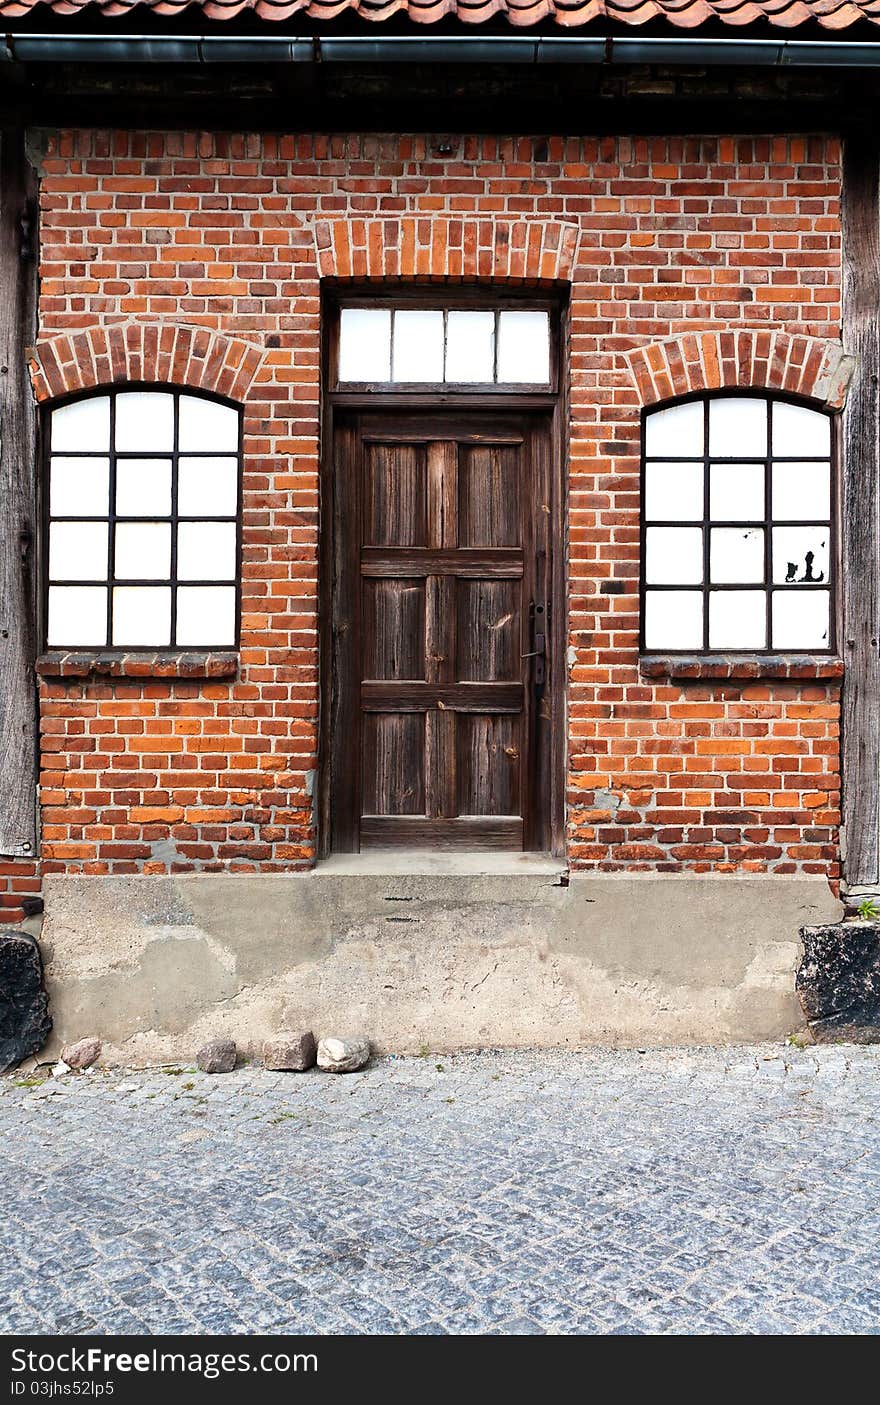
point(206, 551)
point(798, 430)
point(82, 427)
point(674, 555)
point(673, 619)
point(673, 492)
point(365, 344)
point(800, 554)
point(675, 432)
point(77, 616)
point(801, 619)
point(78, 551)
point(470, 347)
point(142, 615)
point(207, 427)
point(737, 425)
point(206, 615)
point(736, 555)
point(736, 492)
point(524, 348)
point(145, 421)
point(738, 619)
point(79, 487)
point(207, 487)
point(143, 487)
point(418, 346)
point(801, 491)
point(143, 551)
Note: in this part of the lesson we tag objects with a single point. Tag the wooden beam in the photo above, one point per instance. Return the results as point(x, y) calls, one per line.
point(18, 712)
point(860, 534)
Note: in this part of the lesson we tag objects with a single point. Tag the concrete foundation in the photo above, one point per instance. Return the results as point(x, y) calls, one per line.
point(155, 966)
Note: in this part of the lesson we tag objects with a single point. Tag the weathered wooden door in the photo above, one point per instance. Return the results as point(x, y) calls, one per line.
point(439, 720)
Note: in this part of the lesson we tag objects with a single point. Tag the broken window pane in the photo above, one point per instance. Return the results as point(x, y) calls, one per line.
point(673, 492)
point(736, 554)
point(736, 492)
point(801, 491)
point(738, 619)
point(676, 432)
point(800, 555)
point(673, 619)
point(737, 426)
point(801, 619)
point(674, 555)
point(799, 431)
point(364, 344)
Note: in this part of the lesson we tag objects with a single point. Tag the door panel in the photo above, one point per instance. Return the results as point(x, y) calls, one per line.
point(440, 557)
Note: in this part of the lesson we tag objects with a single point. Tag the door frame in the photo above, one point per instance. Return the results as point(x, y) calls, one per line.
point(554, 403)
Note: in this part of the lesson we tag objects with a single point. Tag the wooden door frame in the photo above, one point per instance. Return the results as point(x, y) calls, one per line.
point(554, 403)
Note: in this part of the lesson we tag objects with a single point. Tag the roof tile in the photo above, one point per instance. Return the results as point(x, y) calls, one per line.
point(567, 14)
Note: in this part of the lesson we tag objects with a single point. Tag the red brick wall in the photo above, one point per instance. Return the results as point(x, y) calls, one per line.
point(675, 236)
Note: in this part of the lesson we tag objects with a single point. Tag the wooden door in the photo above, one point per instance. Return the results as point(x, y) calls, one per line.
point(439, 724)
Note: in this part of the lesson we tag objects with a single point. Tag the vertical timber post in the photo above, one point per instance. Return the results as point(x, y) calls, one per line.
point(861, 509)
point(18, 711)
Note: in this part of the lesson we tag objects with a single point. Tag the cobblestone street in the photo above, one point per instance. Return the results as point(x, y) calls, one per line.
point(730, 1191)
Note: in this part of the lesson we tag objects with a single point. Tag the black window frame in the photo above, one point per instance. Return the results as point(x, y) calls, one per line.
point(766, 523)
point(174, 518)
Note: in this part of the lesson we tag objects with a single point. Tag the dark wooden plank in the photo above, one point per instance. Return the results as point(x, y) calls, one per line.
point(492, 562)
point(393, 614)
point(393, 748)
point(489, 764)
point(442, 495)
point(402, 832)
point(461, 697)
point(441, 763)
point(18, 716)
point(395, 496)
point(860, 530)
point(344, 711)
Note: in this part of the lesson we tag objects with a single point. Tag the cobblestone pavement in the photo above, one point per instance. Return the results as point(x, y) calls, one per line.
point(702, 1191)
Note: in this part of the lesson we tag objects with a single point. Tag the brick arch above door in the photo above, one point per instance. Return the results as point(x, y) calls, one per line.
point(535, 252)
point(816, 369)
point(143, 352)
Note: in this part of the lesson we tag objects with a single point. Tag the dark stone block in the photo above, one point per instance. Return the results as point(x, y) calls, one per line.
point(838, 981)
point(25, 1024)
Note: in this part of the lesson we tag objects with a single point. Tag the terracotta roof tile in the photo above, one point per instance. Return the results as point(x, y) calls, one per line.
point(568, 14)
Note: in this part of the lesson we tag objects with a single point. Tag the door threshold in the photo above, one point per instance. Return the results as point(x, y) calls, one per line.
point(451, 862)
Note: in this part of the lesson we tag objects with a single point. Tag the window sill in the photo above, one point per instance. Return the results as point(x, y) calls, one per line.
point(86, 663)
point(693, 667)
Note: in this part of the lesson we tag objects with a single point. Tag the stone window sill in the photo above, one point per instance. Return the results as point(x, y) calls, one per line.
point(86, 663)
point(693, 667)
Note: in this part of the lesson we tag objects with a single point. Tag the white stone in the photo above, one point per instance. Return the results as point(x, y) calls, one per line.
point(343, 1055)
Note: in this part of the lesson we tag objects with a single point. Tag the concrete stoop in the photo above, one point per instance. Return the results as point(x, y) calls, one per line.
point(155, 966)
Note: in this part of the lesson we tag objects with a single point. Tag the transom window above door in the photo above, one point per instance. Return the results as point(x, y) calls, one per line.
point(142, 530)
point(430, 345)
point(737, 527)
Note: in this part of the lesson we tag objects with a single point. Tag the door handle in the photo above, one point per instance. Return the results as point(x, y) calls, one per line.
point(539, 639)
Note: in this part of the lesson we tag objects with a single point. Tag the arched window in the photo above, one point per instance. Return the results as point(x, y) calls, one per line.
point(143, 522)
point(737, 527)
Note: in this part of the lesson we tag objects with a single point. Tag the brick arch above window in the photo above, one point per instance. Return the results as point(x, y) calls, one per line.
point(425, 246)
point(194, 358)
point(789, 363)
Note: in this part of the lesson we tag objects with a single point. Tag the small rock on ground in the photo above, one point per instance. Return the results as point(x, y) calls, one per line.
point(82, 1054)
point(217, 1056)
point(343, 1055)
point(290, 1053)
